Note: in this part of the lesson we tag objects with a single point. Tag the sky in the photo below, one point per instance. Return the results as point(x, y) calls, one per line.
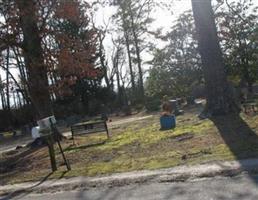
point(163, 18)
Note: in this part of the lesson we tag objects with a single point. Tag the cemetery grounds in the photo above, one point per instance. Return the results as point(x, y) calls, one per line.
point(136, 143)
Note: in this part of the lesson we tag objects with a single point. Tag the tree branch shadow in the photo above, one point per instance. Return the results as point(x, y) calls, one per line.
point(72, 147)
point(9, 165)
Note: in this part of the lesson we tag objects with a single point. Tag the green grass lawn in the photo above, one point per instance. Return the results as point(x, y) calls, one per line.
point(141, 145)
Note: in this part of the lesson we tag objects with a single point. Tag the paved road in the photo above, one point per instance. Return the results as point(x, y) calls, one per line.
point(220, 188)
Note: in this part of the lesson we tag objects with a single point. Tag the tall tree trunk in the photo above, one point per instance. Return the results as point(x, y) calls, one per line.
point(112, 83)
point(138, 54)
point(20, 64)
point(127, 44)
point(123, 91)
point(247, 76)
point(15, 101)
point(3, 100)
point(23, 91)
point(139, 64)
point(33, 57)
point(21, 67)
point(130, 61)
point(2, 94)
point(19, 99)
point(102, 60)
point(116, 63)
point(106, 77)
point(7, 79)
point(219, 98)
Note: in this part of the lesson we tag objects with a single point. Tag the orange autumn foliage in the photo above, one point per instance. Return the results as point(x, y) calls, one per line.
point(77, 50)
point(69, 54)
point(68, 9)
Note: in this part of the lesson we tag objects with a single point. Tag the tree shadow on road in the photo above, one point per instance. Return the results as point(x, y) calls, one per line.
point(20, 194)
point(239, 137)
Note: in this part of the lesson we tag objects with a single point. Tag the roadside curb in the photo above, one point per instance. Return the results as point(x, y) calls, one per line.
point(176, 174)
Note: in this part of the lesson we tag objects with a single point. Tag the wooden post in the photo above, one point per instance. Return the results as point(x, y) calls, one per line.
point(72, 135)
point(108, 136)
point(57, 134)
point(51, 150)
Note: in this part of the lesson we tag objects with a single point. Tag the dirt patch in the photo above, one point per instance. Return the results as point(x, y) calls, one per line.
point(184, 136)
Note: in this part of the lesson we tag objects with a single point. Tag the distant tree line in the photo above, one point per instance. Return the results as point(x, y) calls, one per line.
point(55, 60)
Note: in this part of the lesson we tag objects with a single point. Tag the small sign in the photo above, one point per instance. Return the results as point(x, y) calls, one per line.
point(46, 122)
point(45, 125)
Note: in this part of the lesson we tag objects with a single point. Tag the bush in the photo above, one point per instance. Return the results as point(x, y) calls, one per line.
point(153, 104)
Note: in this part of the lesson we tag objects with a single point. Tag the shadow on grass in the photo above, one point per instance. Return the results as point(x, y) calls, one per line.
point(9, 165)
point(240, 138)
point(72, 147)
point(12, 167)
